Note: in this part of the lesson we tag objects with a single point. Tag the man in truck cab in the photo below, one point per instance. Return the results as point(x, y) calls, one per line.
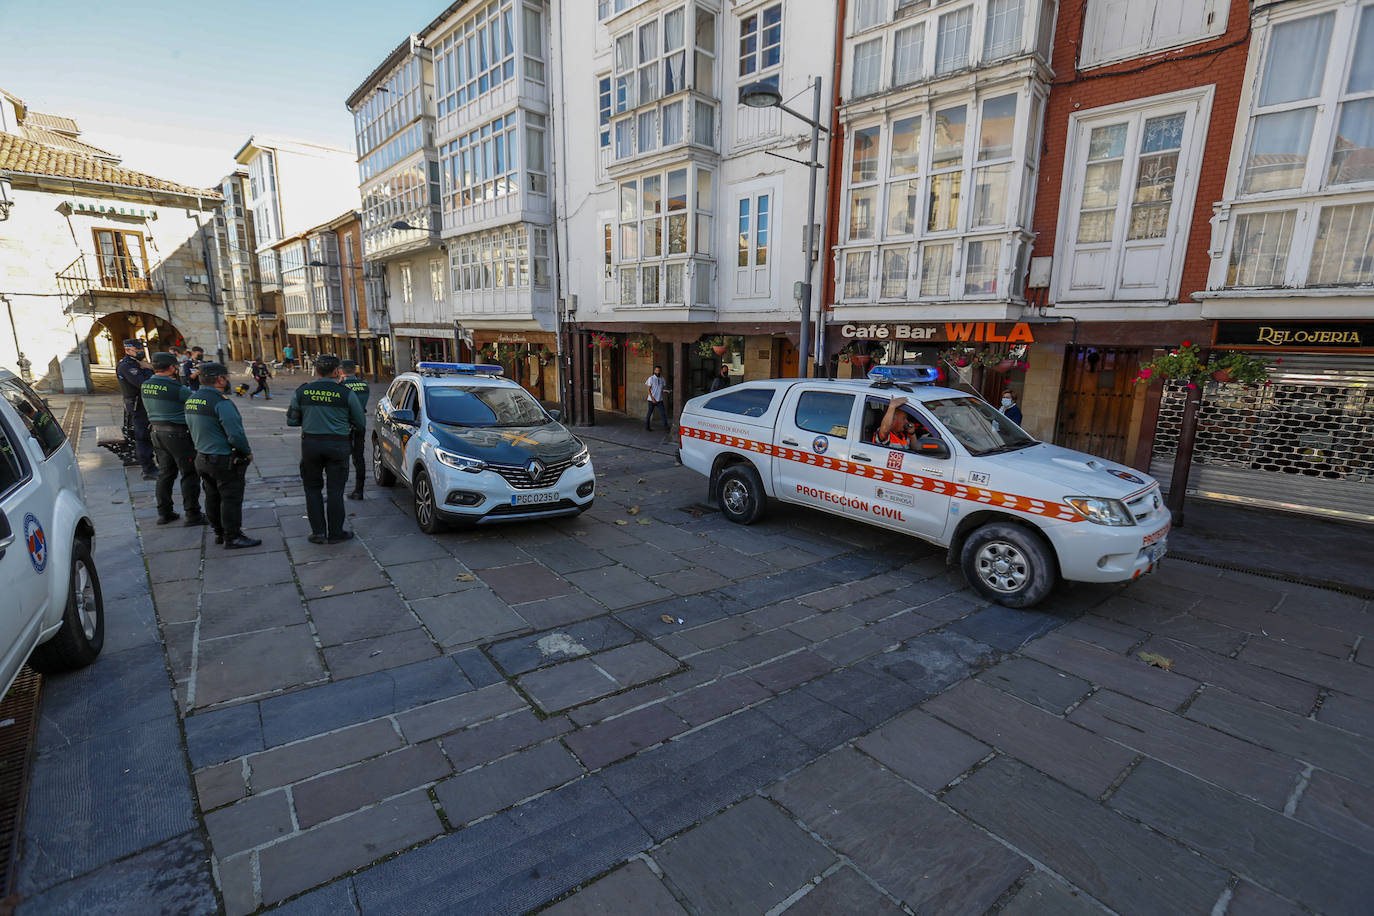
point(898, 429)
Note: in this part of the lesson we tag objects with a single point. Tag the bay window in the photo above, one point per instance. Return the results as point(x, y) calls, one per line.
point(663, 218)
point(1127, 203)
point(1303, 211)
point(476, 57)
point(925, 39)
point(641, 102)
point(500, 259)
point(932, 195)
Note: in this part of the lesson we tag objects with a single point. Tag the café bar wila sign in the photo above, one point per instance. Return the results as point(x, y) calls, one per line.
point(944, 332)
point(1296, 335)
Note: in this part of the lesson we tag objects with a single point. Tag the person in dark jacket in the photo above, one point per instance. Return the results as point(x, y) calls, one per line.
point(261, 374)
point(222, 455)
point(357, 439)
point(164, 399)
point(1010, 409)
point(327, 413)
point(132, 373)
point(722, 380)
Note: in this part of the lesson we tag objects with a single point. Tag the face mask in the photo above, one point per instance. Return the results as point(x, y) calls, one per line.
point(1006, 402)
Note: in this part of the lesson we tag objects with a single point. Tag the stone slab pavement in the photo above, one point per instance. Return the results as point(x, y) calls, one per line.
point(648, 709)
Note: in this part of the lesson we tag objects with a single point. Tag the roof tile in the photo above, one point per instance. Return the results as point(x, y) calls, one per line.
point(26, 157)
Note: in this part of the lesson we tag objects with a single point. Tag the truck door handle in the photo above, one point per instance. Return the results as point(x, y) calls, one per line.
point(858, 457)
point(789, 442)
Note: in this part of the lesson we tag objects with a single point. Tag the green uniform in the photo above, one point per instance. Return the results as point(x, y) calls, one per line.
point(323, 407)
point(164, 398)
point(215, 424)
point(359, 388)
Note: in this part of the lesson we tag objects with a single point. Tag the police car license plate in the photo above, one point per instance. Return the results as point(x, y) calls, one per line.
point(534, 499)
point(1157, 551)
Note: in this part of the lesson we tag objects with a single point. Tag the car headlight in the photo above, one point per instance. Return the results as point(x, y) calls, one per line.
point(1101, 511)
point(582, 457)
point(460, 462)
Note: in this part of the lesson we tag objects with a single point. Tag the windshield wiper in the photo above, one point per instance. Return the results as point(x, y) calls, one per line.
point(1001, 449)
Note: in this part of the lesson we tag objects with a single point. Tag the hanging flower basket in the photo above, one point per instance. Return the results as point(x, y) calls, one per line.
point(640, 346)
point(861, 360)
point(715, 344)
point(603, 340)
point(1185, 364)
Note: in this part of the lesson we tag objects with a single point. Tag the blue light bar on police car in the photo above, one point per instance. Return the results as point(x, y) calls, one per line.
point(461, 368)
point(916, 375)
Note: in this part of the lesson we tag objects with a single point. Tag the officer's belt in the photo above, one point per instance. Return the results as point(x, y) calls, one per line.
point(341, 438)
point(170, 426)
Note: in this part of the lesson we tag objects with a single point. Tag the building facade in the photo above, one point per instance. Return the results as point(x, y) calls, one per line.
point(935, 183)
point(682, 230)
point(1290, 271)
point(92, 253)
point(292, 187)
point(398, 178)
point(253, 327)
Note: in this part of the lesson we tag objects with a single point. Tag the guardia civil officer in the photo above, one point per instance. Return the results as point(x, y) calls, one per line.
point(132, 373)
point(326, 412)
point(222, 454)
point(164, 399)
point(357, 438)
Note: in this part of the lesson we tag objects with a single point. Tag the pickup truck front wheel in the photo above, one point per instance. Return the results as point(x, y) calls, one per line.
point(1007, 564)
point(740, 494)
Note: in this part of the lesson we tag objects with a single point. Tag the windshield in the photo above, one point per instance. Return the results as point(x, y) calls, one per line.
point(979, 428)
point(479, 406)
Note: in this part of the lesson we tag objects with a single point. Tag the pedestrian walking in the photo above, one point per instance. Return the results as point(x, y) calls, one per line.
point(164, 400)
point(722, 380)
point(655, 385)
point(327, 413)
point(222, 455)
point(357, 438)
point(288, 356)
point(261, 374)
point(132, 373)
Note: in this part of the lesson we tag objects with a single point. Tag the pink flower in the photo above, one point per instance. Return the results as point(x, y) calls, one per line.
point(1146, 373)
point(1279, 361)
point(1191, 386)
point(1187, 343)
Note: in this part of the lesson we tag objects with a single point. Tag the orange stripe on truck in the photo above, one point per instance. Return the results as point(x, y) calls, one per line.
point(981, 495)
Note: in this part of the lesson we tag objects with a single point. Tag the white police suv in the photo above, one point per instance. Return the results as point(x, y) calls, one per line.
point(477, 448)
point(51, 611)
point(1016, 513)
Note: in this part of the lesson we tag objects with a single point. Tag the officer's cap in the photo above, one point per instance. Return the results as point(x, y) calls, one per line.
point(326, 365)
point(133, 342)
point(163, 361)
point(348, 365)
point(211, 371)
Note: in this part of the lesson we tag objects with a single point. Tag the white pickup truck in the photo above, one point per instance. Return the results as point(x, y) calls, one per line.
point(1017, 514)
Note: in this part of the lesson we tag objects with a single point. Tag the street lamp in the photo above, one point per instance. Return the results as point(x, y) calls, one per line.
point(402, 224)
point(357, 334)
point(766, 95)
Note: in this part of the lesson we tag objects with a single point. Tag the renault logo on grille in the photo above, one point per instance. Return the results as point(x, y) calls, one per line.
point(535, 468)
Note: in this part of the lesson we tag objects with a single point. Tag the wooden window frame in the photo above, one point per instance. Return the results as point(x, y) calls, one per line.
point(122, 278)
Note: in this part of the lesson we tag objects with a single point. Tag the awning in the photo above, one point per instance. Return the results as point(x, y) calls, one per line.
point(106, 208)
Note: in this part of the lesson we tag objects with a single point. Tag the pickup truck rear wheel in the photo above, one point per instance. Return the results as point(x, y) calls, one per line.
point(1007, 564)
point(740, 494)
point(82, 634)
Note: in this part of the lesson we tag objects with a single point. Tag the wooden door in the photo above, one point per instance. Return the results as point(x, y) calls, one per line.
point(784, 358)
point(1096, 400)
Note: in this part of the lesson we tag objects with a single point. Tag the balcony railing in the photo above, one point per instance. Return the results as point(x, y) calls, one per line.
point(104, 273)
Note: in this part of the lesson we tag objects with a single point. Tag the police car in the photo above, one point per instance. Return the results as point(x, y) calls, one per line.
point(477, 448)
point(1016, 513)
point(52, 613)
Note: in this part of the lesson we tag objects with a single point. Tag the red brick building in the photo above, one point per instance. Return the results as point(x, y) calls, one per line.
point(1138, 130)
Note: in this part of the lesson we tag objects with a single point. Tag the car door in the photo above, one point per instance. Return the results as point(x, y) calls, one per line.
point(389, 431)
point(904, 489)
point(24, 567)
point(811, 447)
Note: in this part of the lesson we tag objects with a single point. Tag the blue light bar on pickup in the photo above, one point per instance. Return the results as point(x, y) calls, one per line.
point(915, 375)
point(460, 368)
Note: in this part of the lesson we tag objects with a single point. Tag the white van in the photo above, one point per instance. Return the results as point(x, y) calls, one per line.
point(1017, 514)
point(52, 613)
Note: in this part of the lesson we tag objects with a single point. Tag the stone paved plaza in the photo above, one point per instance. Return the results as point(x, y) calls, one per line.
point(647, 709)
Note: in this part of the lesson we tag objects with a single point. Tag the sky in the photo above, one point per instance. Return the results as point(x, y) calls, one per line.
point(175, 87)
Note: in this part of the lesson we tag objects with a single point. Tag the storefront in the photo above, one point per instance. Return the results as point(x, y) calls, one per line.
point(985, 358)
point(1304, 442)
point(528, 357)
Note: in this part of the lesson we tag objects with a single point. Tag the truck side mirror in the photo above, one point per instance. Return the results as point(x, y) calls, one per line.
point(931, 447)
